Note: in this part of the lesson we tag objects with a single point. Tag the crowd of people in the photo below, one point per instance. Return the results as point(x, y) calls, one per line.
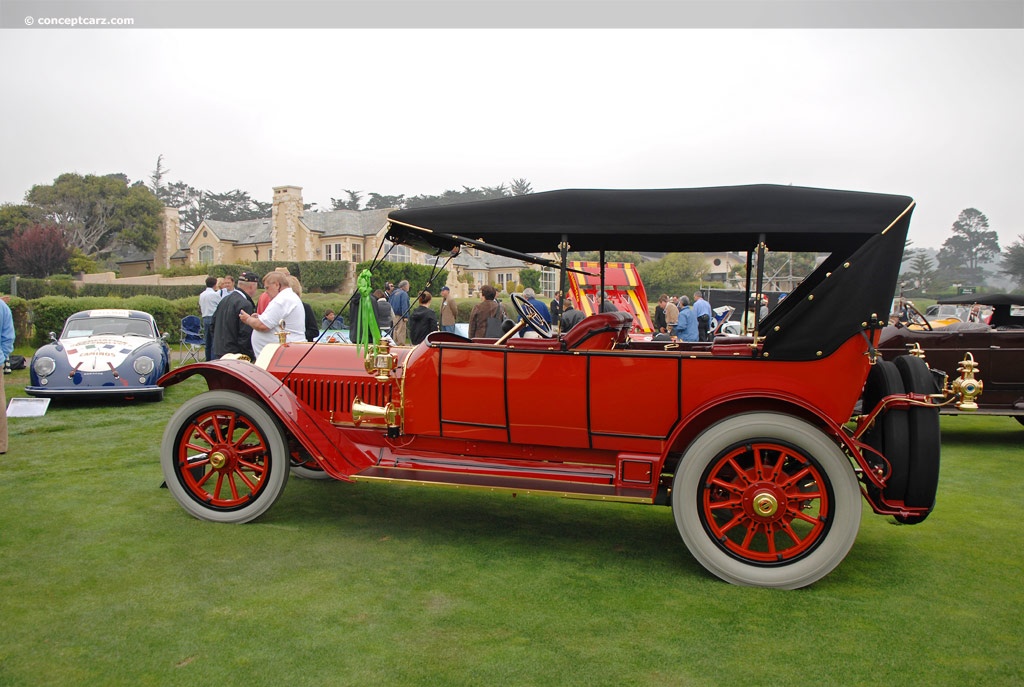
point(675, 316)
point(235, 323)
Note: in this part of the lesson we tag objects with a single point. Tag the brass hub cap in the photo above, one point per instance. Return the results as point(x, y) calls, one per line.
point(765, 504)
point(218, 460)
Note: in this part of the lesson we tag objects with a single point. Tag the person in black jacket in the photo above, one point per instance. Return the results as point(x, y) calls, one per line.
point(422, 320)
point(571, 317)
point(312, 328)
point(230, 335)
point(385, 315)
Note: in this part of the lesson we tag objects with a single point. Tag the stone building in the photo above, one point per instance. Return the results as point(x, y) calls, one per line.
point(293, 234)
point(290, 233)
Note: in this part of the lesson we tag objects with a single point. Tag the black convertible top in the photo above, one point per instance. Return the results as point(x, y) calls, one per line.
point(863, 233)
point(1005, 307)
point(791, 218)
point(986, 299)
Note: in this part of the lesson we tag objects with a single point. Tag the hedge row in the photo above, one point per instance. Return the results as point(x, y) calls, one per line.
point(110, 290)
point(395, 272)
point(37, 288)
point(316, 275)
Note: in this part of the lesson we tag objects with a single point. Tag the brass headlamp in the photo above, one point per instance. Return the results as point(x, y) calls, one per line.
point(966, 386)
point(380, 361)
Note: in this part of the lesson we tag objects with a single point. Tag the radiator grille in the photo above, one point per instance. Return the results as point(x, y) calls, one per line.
point(336, 395)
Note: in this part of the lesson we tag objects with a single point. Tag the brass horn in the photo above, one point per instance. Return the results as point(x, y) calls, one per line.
point(361, 411)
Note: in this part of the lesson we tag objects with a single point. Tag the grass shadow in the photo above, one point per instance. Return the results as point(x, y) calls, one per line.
point(520, 525)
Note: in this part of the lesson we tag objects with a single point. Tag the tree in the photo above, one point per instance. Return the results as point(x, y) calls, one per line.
point(672, 273)
point(18, 216)
point(379, 202)
point(139, 216)
point(80, 262)
point(466, 195)
point(92, 211)
point(38, 251)
point(188, 200)
point(1013, 261)
point(353, 201)
point(232, 206)
point(195, 205)
point(788, 268)
point(922, 271)
point(971, 246)
point(12, 218)
point(520, 187)
point(609, 256)
point(156, 179)
point(530, 278)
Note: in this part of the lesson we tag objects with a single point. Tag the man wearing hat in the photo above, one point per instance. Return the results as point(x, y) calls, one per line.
point(449, 310)
point(230, 334)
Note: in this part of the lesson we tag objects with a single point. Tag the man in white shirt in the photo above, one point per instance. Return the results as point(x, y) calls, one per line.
point(208, 301)
point(285, 306)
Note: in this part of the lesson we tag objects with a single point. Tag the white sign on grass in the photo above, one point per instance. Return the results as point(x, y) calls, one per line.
point(27, 407)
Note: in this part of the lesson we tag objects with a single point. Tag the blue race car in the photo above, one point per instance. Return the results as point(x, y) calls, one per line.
point(102, 353)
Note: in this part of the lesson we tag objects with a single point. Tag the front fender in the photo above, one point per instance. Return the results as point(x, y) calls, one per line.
point(319, 438)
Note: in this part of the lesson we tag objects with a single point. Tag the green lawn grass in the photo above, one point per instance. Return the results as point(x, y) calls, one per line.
point(106, 581)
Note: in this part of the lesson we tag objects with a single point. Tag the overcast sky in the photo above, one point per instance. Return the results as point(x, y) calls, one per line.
point(934, 114)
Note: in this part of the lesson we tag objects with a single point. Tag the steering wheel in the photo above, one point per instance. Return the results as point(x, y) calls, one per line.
point(915, 317)
point(533, 319)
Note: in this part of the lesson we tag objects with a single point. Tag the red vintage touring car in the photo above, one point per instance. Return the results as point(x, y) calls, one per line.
point(748, 439)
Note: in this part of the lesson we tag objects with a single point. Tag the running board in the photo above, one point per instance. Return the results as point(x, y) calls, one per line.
point(505, 483)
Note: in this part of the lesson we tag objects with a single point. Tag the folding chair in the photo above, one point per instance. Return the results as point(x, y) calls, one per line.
point(192, 339)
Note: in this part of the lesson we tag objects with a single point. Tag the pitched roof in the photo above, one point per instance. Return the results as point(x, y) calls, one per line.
point(486, 261)
point(346, 222)
point(129, 254)
point(327, 224)
point(246, 231)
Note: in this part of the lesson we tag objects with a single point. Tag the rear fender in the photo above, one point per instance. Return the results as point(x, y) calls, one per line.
point(319, 438)
point(726, 406)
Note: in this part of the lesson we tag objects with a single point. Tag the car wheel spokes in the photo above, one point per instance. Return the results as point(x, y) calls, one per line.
point(764, 503)
point(223, 459)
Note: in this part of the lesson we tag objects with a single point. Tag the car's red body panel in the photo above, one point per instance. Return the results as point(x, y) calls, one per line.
point(537, 405)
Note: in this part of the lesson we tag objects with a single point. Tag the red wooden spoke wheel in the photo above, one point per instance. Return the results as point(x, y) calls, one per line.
point(224, 457)
point(765, 502)
point(766, 499)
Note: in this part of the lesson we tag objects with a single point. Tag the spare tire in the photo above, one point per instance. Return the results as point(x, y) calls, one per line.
point(890, 435)
point(925, 438)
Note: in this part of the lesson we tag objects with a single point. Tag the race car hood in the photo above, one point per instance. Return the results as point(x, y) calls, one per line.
point(101, 352)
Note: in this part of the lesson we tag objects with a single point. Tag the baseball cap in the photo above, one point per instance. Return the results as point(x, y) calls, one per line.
point(445, 288)
point(248, 276)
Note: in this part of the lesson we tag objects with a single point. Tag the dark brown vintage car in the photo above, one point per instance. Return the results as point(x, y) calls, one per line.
point(997, 346)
